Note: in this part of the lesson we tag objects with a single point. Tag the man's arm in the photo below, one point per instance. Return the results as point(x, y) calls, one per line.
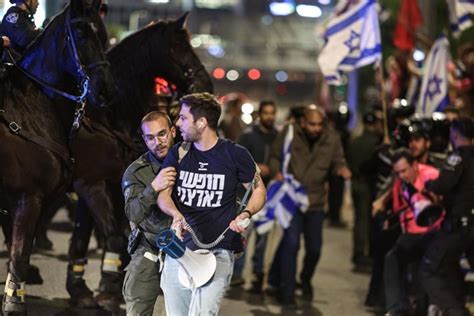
point(448, 177)
point(255, 204)
point(339, 161)
point(140, 197)
point(166, 204)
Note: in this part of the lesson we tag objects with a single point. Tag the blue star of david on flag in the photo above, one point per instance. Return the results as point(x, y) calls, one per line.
point(434, 85)
point(353, 41)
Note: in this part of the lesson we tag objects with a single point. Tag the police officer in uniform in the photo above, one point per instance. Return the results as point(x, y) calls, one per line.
point(141, 183)
point(18, 24)
point(440, 272)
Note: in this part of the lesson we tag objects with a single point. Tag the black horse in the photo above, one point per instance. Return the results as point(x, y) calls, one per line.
point(161, 49)
point(35, 167)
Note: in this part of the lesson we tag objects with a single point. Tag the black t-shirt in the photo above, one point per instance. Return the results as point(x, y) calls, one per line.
point(206, 189)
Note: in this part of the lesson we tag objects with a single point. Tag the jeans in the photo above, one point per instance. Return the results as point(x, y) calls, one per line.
point(206, 300)
point(283, 270)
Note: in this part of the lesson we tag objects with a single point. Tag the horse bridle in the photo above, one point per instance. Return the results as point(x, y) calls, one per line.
point(81, 69)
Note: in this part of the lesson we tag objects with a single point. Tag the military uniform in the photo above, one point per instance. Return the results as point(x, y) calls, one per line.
point(441, 275)
point(19, 26)
point(142, 280)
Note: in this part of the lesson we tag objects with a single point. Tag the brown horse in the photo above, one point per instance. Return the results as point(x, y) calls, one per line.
point(161, 49)
point(35, 166)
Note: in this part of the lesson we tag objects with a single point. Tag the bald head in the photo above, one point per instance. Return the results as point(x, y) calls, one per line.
point(313, 121)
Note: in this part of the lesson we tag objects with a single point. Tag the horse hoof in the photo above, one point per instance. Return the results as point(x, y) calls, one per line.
point(85, 301)
point(13, 309)
point(33, 275)
point(109, 302)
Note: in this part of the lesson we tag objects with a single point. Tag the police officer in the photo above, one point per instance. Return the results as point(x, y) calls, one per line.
point(441, 276)
point(141, 183)
point(18, 24)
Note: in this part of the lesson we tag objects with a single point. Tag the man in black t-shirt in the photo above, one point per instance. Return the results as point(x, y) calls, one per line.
point(204, 196)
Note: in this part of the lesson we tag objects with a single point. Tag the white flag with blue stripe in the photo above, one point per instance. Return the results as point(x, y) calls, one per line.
point(434, 85)
point(284, 198)
point(352, 41)
point(460, 15)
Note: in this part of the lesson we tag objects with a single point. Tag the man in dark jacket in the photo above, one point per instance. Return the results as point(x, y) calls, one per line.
point(18, 24)
point(317, 148)
point(141, 183)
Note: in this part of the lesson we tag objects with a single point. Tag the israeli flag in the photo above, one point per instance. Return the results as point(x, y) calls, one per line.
point(460, 15)
point(284, 198)
point(434, 85)
point(352, 41)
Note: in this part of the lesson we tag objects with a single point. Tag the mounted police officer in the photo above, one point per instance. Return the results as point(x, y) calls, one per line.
point(18, 24)
point(441, 276)
point(141, 183)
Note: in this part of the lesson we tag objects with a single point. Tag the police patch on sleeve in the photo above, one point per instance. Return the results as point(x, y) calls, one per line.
point(12, 18)
point(127, 193)
point(454, 160)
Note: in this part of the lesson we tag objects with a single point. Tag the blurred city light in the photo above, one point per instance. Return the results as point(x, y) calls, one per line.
point(158, 1)
point(216, 51)
point(325, 2)
point(254, 74)
point(218, 73)
point(232, 75)
point(281, 76)
point(247, 118)
point(247, 108)
point(196, 41)
point(308, 11)
point(418, 55)
point(281, 8)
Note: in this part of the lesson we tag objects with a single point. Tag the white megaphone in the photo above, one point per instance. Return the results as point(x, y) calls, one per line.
point(195, 268)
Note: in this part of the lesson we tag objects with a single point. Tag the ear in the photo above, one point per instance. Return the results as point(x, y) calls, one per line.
point(180, 23)
point(80, 5)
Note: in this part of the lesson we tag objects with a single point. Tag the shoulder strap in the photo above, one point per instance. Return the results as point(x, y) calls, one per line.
point(183, 150)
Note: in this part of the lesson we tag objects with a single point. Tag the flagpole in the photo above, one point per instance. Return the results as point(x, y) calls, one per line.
point(386, 138)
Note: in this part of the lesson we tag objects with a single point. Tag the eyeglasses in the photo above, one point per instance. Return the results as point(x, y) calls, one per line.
point(161, 136)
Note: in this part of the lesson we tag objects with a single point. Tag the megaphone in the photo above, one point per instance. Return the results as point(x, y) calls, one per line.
point(431, 214)
point(196, 268)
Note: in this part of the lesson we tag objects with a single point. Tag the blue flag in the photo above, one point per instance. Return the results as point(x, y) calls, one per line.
point(352, 41)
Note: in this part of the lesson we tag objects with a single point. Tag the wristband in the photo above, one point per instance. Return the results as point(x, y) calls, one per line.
point(248, 212)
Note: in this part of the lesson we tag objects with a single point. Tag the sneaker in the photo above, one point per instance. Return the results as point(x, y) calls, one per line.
point(307, 291)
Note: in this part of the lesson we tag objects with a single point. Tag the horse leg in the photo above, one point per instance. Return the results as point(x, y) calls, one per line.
point(81, 295)
point(25, 217)
point(100, 203)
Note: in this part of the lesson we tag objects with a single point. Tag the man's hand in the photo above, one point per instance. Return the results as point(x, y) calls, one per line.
point(377, 206)
point(278, 177)
point(6, 41)
point(344, 172)
point(164, 179)
point(178, 225)
point(234, 225)
point(264, 170)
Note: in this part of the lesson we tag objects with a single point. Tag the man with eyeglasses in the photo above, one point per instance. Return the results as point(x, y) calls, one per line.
point(141, 183)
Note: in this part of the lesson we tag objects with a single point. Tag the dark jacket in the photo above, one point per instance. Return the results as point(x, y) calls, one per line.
point(140, 198)
point(310, 167)
point(18, 25)
point(456, 182)
point(258, 144)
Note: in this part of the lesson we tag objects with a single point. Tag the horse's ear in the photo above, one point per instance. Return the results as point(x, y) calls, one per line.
point(77, 5)
point(180, 23)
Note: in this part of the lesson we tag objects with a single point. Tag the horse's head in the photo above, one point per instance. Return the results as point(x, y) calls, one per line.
point(69, 53)
point(86, 35)
point(182, 66)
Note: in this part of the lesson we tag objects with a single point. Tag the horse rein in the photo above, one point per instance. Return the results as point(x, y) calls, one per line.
point(80, 68)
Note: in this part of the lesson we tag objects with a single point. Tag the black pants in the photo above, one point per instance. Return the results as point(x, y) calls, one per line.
point(409, 248)
point(441, 274)
point(335, 196)
point(283, 270)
